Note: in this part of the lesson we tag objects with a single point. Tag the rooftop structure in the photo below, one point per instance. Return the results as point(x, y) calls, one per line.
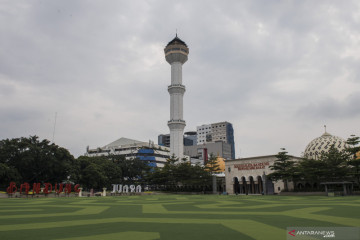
point(153, 154)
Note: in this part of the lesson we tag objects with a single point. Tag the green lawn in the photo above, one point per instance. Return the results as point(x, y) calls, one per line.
point(172, 217)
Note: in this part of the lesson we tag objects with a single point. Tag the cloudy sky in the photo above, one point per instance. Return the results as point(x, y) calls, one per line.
point(277, 70)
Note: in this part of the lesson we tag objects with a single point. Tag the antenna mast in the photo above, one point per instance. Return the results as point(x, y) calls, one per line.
point(53, 136)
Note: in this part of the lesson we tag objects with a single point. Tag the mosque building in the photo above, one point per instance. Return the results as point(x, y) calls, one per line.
point(248, 175)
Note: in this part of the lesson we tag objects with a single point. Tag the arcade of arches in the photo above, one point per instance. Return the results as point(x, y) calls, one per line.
point(248, 186)
point(248, 176)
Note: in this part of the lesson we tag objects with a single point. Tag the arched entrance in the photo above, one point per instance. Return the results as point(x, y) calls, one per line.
point(236, 185)
point(244, 188)
point(251, 185)
point(260, 185)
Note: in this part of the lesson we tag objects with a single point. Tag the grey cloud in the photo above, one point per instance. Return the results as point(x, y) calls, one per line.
point(6, 89)
point(333, 109)
point(101, 67)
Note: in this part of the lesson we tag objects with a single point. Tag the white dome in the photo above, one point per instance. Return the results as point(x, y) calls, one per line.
point(322, 144)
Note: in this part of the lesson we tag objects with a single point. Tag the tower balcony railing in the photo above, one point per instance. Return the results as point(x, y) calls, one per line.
point(176, 121)
point(176, 86)
point(177, 49)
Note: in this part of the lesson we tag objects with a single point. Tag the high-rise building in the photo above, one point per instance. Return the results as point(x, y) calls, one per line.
point(189, 139)
point(164, 140)
point(222, 131)
point(204, 134)
point(176, 54)
point(218, 148)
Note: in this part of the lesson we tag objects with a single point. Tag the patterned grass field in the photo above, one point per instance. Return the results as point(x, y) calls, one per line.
point(171, 217)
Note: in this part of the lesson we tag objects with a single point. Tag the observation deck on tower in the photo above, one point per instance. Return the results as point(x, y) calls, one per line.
point(176, 51)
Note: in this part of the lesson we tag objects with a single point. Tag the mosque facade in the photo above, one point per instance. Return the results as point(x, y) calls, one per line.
point(249, 175)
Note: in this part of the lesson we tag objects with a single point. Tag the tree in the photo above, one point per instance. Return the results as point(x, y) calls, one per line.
point(35, 160)
point(354, 161)
point(212, 165)
point(283, 168)
point(112, 169)
point(309, 170)
point(133, 170)
point(8, 174)
point(98, 172)
point(93, 176)
point(158, 177)
point(177, 174)
point(171, 161)
point(169, 171)
point(353, 145)
point(334, 165)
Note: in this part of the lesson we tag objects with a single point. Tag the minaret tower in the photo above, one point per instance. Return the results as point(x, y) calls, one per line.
point(176, 53)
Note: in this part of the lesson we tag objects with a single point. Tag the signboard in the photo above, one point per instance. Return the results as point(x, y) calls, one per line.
point(119, 188)
point(46, 188)
point(251, 166)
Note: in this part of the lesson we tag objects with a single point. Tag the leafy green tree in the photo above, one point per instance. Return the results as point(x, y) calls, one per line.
point(159, 177)
point(202, 177)
point(134, 170)
point(283, 168)
point(97, 172)
point(35, 160)
point(111, 169)
point(93, 176)
point(176, 173)
point(8, 174)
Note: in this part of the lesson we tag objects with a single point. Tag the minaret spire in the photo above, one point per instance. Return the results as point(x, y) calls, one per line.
point(176, 54)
